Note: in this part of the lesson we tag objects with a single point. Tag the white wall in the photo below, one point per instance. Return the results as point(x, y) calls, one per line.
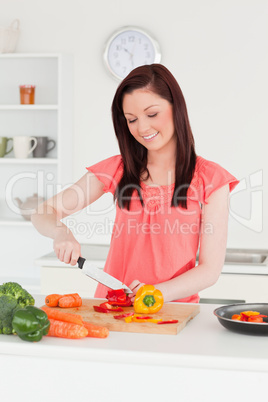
point(217, 50)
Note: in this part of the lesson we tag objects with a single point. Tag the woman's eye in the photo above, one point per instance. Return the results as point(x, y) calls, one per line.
point(152, 115)
point(132, 121)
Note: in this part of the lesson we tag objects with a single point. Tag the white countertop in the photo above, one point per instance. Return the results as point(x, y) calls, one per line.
point(202, 343)
point(97, 254)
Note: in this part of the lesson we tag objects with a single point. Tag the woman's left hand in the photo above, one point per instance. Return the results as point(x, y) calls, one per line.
point(135, 286)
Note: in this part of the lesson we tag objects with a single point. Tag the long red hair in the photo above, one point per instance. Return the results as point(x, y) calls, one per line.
point(158, 79)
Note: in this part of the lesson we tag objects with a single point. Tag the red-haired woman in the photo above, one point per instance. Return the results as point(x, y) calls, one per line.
point(169, 201)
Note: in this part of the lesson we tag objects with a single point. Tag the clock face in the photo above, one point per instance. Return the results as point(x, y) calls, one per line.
point(128, 49)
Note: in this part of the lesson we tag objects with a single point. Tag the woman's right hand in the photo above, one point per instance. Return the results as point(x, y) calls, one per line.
point(66, 247)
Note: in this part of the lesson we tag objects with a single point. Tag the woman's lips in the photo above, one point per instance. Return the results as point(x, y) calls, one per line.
point(150, 137)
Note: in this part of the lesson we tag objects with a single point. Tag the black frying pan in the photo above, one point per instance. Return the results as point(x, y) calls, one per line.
point(224, 315)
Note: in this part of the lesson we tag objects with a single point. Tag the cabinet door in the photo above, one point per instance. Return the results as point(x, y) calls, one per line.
point(248, 288)
point(66, 280)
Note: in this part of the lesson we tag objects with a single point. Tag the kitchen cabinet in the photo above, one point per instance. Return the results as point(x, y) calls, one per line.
point(51, 116)
point(247, 288)
point(57, 277)
point(237, 282)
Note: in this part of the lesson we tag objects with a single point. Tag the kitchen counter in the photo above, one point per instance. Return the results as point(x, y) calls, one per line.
point(204, 362)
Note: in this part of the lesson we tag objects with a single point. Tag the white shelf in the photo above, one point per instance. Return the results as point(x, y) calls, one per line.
point(28, 55)
point(30, 161)
point(15, 222)
point(12, 218)
point(28, 107)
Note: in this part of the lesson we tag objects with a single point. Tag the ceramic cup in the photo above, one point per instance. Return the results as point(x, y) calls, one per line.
point(3, 146)
point(22, 146)
point(43, 147)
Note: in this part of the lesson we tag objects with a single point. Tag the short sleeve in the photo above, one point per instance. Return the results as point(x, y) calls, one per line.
point(209, 177)
point(109, 172)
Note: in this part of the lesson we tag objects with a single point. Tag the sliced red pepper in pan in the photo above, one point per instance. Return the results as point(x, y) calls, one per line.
point(255, 318)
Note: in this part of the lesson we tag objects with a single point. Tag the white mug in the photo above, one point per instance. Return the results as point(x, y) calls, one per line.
point(22, 146)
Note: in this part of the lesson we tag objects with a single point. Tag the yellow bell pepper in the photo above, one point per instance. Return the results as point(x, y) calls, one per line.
point(148, 300)
point(249, 313)
point(139, 319)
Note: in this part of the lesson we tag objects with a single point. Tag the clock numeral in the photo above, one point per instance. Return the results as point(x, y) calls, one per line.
point(115, 55)
point(123, 41)
point(145, 46)
point(118, 48)
point(131, 38)
point(148, 54)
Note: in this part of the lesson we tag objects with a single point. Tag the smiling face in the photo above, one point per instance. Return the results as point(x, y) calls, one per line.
point(150, 120)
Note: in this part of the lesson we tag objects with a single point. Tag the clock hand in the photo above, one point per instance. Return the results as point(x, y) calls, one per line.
point(132, 54)
point(126, 50)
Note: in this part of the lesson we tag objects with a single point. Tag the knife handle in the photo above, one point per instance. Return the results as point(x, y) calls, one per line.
point(80, 262)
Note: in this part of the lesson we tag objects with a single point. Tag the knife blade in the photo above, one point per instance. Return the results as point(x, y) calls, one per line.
point(100, 276)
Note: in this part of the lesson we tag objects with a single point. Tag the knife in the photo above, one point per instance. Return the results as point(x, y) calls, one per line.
point(100, 276)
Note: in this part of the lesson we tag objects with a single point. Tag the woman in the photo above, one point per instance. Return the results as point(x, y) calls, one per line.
point(168, 200)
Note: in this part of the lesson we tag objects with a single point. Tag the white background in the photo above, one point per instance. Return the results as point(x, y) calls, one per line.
point(217, 50)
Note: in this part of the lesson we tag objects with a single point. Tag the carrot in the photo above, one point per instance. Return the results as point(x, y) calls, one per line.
point(62, 316)
point(69, 301)
point(77, 299)
point(66, 330)
point(52, 300)
point(95, 331)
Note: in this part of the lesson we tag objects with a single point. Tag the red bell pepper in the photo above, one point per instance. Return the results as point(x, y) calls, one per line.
point(249, 316)
point(118, 317)
point(118, 298)
point(110, 307)
point(168, 322)
point(255, 318)
point(101, 309)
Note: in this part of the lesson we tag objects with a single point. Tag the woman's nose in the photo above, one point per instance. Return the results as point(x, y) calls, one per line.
point(143, 127)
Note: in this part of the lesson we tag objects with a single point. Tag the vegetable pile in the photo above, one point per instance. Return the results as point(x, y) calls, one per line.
point(72, 326)
point(19, 316)
point(12, 298)
point(148, 300)
point(249, 316)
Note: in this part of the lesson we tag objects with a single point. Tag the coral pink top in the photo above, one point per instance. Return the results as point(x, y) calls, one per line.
point(156, 242)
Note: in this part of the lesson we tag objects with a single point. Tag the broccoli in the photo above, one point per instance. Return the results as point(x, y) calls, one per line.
point(12, 297)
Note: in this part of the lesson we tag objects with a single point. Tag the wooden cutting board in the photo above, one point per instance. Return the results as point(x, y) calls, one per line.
point(175, 311)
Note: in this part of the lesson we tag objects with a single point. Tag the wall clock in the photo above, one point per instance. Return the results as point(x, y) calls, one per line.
point(128, 48)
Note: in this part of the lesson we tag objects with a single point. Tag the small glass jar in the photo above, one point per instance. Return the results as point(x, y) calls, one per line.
point(27, 94)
